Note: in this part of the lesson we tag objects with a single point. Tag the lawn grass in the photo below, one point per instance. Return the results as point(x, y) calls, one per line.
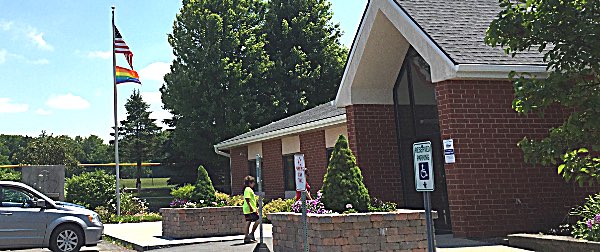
point(157, 193)
point(147, 183)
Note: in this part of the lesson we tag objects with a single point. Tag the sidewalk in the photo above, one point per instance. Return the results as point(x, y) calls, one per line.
point(147, 236)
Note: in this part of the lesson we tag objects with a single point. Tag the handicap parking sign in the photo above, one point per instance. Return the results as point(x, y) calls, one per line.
point(424, 171)
point(423, 164)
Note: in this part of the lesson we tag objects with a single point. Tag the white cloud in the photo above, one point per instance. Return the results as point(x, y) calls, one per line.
point(6, 106)
point(67, 102)
point(100, 54)
point(155, 71)
point(160, 115)
point(38, 39)
point(2, 56)
point(41, 111)
point(5, 25)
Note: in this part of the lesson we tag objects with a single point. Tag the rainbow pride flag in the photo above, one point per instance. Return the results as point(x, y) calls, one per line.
point(126, 75)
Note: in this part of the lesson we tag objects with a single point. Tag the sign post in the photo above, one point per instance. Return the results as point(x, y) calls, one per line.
point(299, 168)
point(424, 182)
point(261, 246)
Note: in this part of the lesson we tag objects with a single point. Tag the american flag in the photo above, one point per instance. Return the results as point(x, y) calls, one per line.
point(121, 47)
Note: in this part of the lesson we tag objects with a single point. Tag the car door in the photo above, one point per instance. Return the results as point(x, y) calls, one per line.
point(21, 223)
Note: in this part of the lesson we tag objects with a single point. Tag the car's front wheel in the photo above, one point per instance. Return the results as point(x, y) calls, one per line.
point(66, 238)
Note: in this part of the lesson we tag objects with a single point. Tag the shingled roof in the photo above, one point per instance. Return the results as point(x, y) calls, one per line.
point(318, 113)
point(458, 27)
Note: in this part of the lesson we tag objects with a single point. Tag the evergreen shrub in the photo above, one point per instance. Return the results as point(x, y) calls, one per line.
point(205, 192)
point(343, 182)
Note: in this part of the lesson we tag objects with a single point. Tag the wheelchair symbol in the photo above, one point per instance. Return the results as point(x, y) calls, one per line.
point(424, 171)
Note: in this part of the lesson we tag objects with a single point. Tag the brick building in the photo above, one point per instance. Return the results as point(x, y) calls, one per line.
point(419, 70)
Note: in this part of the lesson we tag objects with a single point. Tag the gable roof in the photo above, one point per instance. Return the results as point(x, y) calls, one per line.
point(320, 116)
point(459, 28)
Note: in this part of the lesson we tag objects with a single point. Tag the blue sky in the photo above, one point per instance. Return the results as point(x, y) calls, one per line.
point(55, 61)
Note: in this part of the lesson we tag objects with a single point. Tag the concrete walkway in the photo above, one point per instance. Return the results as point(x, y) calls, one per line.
point(147, 236)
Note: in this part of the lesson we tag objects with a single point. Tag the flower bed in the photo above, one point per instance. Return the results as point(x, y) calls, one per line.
point(202, 222)
point(399, 230)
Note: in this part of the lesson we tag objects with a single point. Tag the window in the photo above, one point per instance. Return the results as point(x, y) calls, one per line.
point(288, 173)
point(252, 167)
point(15, 197)
point(328, 153)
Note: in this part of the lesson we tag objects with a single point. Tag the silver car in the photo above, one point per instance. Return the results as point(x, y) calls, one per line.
point(29, 219)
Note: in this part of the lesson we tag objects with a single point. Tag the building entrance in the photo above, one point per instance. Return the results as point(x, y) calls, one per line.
point(417, 120)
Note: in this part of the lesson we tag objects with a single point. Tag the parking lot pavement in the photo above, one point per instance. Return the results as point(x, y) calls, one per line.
point(226, 246)
point(103, 246)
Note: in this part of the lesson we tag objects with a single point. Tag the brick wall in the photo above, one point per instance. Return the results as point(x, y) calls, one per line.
point(403, 230)
point(273, 169)
point(315, 158)
point(202, 222)
point(491, 190)
point(372, 138)
point(239, 169)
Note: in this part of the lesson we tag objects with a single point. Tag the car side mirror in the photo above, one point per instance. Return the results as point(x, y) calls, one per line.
point(40, 203)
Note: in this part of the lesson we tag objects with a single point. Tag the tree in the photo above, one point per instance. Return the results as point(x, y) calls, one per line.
point(49, 150)
point(93, 150)
point(138, 134)
point(308, 59)
point(567, 33)
point(13, 143)
point(241, 64)
point(214, 84)
point(343, 182)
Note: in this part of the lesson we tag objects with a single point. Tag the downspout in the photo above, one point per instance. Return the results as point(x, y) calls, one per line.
point(222, 153)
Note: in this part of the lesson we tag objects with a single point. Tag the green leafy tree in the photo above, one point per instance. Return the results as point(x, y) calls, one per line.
point(308, 59)
point(138, 134)
point(343, 183)
point(13, 144)
point(204, 189)
point(49, 150)
point(566, 32)
point(213, 88)
point(4, 152)
point(94, 150)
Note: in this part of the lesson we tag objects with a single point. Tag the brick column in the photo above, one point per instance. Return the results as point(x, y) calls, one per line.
point(239, 169)
point(372, 138)
point(315, 158)
point(491, 190)
point(273, 169)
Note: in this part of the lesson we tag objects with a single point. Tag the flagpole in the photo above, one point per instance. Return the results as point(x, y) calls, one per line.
point(115, 113)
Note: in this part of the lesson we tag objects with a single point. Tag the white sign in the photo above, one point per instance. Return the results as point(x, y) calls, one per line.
point(449, 151)
point(423, 166)
point(299, 171)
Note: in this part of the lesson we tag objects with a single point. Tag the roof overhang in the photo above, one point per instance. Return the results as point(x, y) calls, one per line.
point(324, 123)
point(385, 33)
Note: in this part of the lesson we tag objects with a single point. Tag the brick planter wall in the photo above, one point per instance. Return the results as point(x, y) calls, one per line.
point(202, 222)
point(403, 230)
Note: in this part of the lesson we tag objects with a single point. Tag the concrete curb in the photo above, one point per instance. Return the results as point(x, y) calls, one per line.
point(138, 247)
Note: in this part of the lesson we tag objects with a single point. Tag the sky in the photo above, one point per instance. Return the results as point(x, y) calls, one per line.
point(56, 61)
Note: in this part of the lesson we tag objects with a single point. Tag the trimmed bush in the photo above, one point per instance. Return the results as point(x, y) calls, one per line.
point(277, 206)
point(185, 192)
point(343, 183)
point(205, 192)
point(7, 174)
point(91, 189)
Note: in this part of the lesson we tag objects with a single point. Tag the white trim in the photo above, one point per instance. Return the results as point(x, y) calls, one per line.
point(442, 66)
point(331, 121)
